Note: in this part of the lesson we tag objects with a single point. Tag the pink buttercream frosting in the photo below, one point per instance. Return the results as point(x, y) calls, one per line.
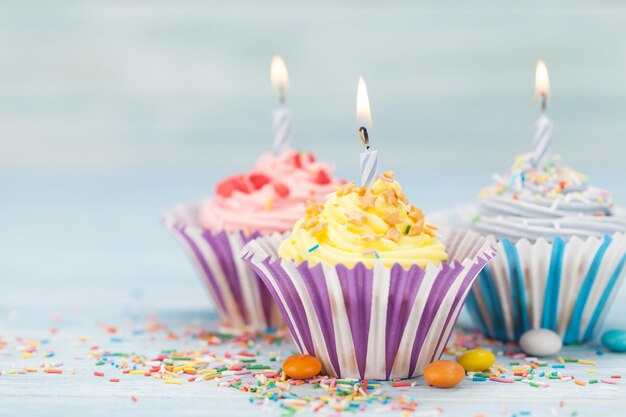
point(271, 197)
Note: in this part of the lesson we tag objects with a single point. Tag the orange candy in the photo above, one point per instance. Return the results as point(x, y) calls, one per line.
point(444, 374)
point(302, 366)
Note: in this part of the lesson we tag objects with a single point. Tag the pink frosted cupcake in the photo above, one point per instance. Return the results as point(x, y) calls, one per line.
point(270, 198)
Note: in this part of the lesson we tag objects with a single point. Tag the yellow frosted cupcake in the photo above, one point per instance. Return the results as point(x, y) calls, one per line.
point(366, 284)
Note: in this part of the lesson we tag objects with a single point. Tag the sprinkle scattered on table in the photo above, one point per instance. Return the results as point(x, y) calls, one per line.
point(232, 358)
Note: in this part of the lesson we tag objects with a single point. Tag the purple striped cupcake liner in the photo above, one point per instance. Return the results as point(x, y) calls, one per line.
point(379, 323)
point(566, 286)
point(239, 295)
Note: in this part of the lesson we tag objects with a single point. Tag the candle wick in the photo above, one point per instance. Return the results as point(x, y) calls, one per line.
point(544, 102)
point(281, 95)
point(364, 137)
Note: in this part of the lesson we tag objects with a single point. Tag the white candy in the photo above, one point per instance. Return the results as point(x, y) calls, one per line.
point(540, 342)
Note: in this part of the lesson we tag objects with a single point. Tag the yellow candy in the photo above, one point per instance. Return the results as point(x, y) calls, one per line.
point(476, 360)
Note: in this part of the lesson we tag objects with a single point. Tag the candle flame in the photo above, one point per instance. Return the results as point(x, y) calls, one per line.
point(279, 75)
point(542, 82)
point(363, 112)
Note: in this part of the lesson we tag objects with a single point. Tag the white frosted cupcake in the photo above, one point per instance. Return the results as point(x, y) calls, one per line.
point(561, 255)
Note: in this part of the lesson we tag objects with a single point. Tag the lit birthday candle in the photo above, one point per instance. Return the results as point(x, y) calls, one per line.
point(369, 158)
point(544, 126)
point(282, 115)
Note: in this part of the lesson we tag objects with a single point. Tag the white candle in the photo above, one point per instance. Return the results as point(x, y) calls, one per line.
point(543, 139)
point(281, 126)
point(281, 129)
point(369, 158)
point(369, 167)
point(544, 126)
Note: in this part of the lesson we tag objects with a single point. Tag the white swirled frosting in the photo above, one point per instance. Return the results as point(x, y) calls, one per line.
point(545, 201)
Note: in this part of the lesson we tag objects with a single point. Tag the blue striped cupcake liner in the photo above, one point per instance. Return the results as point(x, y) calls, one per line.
point(565, 286)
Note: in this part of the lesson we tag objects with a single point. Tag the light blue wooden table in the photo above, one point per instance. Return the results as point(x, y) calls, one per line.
point(83, 252)
point(110, 112)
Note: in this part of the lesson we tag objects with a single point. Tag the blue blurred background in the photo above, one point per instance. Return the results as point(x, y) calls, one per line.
point(112, 111)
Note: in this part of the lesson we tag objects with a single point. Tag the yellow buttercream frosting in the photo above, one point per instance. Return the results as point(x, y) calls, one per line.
point(364, 224)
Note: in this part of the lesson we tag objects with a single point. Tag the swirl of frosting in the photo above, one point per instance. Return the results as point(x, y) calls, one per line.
point(271, 197)
point(545, 202)
point(359, 224)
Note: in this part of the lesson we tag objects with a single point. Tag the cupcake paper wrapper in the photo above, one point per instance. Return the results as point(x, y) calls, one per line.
point(377, 323)
point(565, 286)
point(239, 295)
